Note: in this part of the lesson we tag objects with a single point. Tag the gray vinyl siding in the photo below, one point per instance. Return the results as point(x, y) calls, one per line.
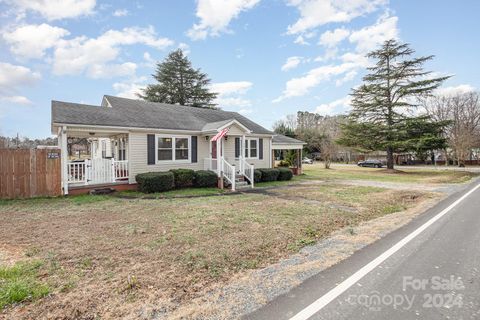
point(137, 143)
point(138, 156)
point(263, 163)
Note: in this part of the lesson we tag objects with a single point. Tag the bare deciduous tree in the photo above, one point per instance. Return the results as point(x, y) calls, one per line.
point(463, 110)
point(330, 131)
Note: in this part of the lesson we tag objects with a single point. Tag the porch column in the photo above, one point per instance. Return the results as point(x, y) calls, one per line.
point(242, 154)
point(219, 161)
point(300, 162)
point(62, 139)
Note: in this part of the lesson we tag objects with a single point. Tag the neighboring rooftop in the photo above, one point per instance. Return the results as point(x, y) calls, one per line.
point(281, 139)
point(143, 114)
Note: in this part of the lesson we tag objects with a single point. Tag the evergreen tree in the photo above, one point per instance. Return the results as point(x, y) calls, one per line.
point(179, 83)
point(381, 105)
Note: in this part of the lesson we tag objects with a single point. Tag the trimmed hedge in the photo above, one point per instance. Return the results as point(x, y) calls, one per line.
point(151, 182)
point(269, 174)
point(183, 178)
point(205, 179)
point(284, 174)
point(257, 175)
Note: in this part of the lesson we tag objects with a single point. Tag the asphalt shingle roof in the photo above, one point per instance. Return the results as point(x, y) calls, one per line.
point(142, 114)
point(281, 139)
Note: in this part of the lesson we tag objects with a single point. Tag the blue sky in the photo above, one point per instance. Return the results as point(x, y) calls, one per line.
point(267, 59)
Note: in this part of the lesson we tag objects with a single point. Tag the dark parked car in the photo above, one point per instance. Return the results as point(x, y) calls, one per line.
point(370, 163)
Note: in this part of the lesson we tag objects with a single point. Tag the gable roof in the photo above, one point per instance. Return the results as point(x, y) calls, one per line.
point(123, 112)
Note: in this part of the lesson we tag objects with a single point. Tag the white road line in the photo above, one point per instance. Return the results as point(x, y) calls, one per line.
point(350, 281)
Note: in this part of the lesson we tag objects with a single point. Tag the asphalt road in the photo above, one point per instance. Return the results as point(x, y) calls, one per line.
point(435, 275)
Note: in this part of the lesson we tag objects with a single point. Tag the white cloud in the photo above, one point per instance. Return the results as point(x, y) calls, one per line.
point(300, 86)
point(365, 40)
point(368, 38)
point(332, 38)
point(215, 16)
point(335, 107)
point(315, 13)
point(233, 102)
point(149, 61)
point(16, 100)
point(12, 78)
point(184, 47)
point(31, 41)
point(120, 13)
point(245, 111)
point(348, 77)
point(98, 71)
point(129, 89)
point(233, 87)
point(453, 90)
point(291, 63)
point(231, 94)
point(89, 55)
point(301, 40)
point(55, 9)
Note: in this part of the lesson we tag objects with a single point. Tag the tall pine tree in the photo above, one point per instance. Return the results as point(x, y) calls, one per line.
point(383, 103)
point(179, 83)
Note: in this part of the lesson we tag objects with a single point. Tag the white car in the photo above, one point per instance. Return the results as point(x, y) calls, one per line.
point(307, 160)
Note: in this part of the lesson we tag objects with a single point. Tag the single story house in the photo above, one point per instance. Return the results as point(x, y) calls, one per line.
point(128, 137)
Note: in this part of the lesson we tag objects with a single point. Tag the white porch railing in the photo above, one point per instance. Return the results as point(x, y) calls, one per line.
point(97, 171)
point(229, 172)
point(76, 172)
point(248, 171)
point(121, 169)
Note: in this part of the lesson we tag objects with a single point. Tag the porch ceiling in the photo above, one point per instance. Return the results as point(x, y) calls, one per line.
point(94, 134)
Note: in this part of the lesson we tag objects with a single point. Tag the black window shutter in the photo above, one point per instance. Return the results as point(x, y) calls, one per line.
point(194, 149)
point(237, 148)
point(150, 149)
point(260, 149)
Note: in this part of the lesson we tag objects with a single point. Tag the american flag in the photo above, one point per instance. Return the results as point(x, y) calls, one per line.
point(220, 135)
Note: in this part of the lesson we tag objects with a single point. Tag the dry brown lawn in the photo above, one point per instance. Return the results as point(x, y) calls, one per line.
point(106, 257)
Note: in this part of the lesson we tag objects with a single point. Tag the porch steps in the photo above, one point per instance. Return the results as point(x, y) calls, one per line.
point(242, 185)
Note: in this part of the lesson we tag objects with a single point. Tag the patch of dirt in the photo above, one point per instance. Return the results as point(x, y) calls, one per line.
point(9, 254)
point(391, 171)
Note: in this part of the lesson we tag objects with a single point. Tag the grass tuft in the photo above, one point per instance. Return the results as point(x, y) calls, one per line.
point(19, 283)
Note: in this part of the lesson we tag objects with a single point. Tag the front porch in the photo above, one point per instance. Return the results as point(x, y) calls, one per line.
point(236, 170)
point(93, 159)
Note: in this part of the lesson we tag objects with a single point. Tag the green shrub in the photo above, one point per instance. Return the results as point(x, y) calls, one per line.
point(257, 175)
point(151, 182)
point(205, 179)
point(269, 174)
point(284, 174)
point(183, 178)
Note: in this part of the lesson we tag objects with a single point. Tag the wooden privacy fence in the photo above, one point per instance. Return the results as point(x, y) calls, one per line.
point(26, 173)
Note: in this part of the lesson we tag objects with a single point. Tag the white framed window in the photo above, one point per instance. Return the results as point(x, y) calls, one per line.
point(251, 148)
point(173, 148)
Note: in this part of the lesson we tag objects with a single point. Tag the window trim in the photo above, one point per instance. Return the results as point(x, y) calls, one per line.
point(174, 140)
point(247, 147)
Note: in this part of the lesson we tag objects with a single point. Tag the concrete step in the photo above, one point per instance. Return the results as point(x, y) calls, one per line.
point(242, 186)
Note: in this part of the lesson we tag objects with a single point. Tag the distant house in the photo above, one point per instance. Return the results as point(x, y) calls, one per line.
point(128, 137)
